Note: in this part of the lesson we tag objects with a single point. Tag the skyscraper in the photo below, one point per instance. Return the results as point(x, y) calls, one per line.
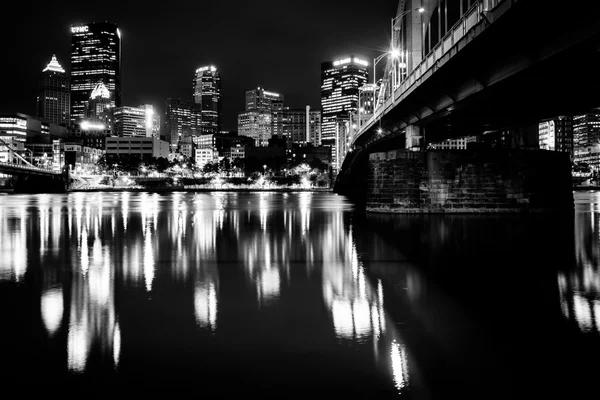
point(182, 120)
point(95, 57)
point(54, 94)
point(340, 81)
point(586, 138)
point(302, 126)
point(263, 100)
point(207, 94)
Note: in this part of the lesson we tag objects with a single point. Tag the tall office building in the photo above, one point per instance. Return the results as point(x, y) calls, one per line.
point(131, 121)
point(256, 124)
point(152, 121)
point(207, 94)
point(260, 99)
point(302, 126)
point(95, 57)
point(54, 94)
point(586, 138)
point(182, 121)
point(340, 81)
point(97, 109)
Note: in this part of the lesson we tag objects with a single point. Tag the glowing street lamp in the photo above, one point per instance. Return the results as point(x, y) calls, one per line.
point(395, 20)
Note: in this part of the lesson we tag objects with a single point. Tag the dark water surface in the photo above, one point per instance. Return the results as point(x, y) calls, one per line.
point(294, 295)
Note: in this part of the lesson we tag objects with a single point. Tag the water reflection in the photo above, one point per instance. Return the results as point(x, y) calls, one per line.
point(104, 257)
point(580, 287)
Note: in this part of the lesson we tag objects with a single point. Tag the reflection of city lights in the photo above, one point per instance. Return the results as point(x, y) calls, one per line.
point(205, 305)
point(116, 344)
point(399, 365)
point(268, 284)
point(342, 319)
point(84, 253)
point(148, 262)
point(52, 309)
point(583, 311)
point(77, 347)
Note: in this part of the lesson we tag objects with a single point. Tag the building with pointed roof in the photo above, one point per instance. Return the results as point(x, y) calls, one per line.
point(54, 94)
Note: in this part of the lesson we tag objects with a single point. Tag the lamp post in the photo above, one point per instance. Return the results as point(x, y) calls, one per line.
point(394, 22)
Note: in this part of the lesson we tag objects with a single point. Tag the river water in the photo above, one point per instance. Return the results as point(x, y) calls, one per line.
point(290, 295)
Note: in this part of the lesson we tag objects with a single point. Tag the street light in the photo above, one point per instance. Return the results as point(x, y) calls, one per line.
point(394, 22)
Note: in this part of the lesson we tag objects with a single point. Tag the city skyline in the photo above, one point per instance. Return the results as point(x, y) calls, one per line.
point(283, 55)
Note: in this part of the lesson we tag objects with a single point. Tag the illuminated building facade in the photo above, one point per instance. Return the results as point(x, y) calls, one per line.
point(54, 94)
point(256, 124)
point(340, 83)
point(152, 121)
point(182, 120)
point(453, 144)
point(95, 57)
point(98, 109)
point(302, 126)
point(557, 134)
point(207, 94)
point(260, 99)
point(129, 121)
point(586, 138)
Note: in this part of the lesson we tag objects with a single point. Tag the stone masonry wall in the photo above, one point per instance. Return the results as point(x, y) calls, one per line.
point(469, 181)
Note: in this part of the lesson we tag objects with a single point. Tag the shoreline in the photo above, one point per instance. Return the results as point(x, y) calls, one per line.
point(184, 189)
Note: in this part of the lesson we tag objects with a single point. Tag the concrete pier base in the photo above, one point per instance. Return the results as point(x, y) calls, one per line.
point(469, 181)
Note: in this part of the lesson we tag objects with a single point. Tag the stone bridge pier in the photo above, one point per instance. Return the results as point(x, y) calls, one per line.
point(477, 180)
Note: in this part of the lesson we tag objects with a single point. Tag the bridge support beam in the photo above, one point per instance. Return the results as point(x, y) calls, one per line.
point(469, 181)
point(414, 139)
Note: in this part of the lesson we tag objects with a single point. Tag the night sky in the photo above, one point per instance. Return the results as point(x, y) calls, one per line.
point(278, 45)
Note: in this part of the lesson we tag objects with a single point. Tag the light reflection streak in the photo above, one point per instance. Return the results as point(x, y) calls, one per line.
point(205, 305)
point(580, 288)
point(356, 305)
point(201, 233)
point(52, 309)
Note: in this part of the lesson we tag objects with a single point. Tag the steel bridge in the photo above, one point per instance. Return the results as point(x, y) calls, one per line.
point(475, 68)
point(31, 178)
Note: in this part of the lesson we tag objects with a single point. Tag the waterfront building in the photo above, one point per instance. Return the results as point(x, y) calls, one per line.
point(340, 82)
point(22, 128)
point(207, 94)
point(54, 94)
point(557, 134)
point(95, 57)
point(139, 145)
point(205, 155)
point(453, 144)
point(586, 138)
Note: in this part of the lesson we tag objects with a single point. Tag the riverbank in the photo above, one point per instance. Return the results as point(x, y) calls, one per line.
point(200, 189)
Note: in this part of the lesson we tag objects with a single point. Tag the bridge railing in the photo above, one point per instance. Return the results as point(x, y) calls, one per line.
point(469, 20)
point(26, 167)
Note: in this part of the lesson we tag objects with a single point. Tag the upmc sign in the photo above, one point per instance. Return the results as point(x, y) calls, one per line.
point(79, 29)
